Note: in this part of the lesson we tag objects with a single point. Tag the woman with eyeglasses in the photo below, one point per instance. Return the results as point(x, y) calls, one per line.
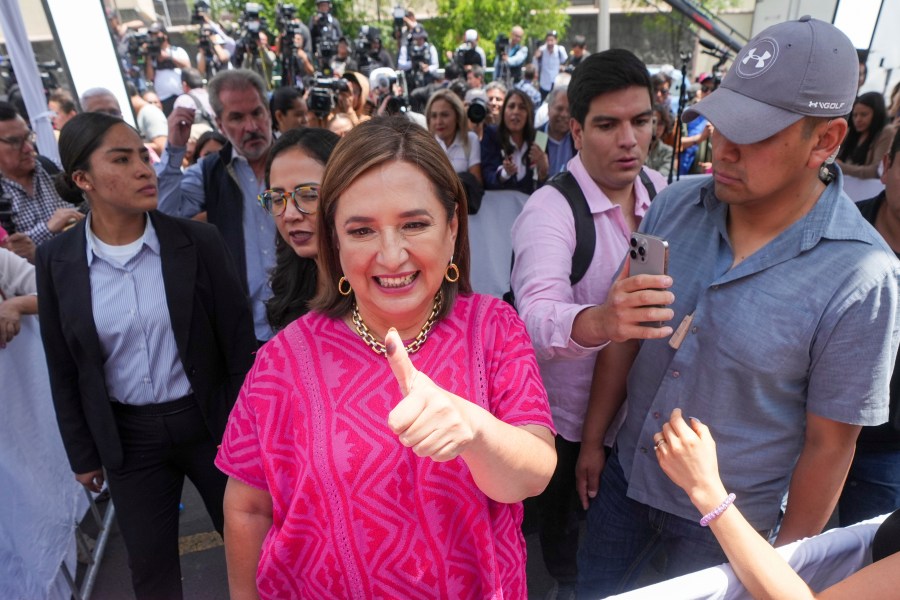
point(383, 442)
point(148, 335)
point(293, 175)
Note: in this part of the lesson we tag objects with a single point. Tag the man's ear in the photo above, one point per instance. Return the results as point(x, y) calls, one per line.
point(886, 161)
point(577, 132)
point(828, 140)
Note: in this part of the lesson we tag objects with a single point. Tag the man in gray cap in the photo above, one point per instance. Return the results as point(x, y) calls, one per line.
point(785, 316)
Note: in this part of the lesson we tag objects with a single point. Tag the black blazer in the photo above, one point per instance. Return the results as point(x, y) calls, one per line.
point(492, 159)
point(210, 316)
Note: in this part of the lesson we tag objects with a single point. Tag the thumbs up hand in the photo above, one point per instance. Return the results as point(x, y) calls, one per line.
point(430, 420)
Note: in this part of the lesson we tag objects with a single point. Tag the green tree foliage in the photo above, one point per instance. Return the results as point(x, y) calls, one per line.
point(494, 17)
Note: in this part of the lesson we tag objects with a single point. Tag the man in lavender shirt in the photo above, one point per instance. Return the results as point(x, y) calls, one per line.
point(611, 106)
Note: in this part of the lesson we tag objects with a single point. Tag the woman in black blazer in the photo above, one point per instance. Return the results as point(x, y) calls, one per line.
point(509, 157)
point(148, 337)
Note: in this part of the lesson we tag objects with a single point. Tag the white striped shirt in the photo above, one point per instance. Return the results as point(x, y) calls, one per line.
point(141, 361)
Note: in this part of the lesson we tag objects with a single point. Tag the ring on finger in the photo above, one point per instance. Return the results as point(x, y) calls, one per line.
point(659, 444)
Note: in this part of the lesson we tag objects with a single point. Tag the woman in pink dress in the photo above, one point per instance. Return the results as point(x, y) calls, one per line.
point(382, 444)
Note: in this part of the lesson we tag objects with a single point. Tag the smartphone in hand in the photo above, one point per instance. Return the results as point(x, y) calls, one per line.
point(648, 255)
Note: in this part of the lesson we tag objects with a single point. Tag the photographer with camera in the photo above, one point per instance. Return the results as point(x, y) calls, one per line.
point(252, 51)
point(369, 53)
point(418, 59)
point(123, 40)
point(325, 30)
point(511, 56)
point(293, 47)
point(164, 65)
point(343, 61)
point(469, 53)
point(351, 99)
point(214, 47)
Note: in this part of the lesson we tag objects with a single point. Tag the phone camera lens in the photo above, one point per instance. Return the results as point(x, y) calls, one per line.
point(633, 242)
point(642, 251)
point(633, 254)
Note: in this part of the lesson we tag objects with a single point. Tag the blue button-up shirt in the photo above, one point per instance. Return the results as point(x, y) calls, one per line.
point(141, 361)
point(807, 323)
point(560, 153)
point(182, 195)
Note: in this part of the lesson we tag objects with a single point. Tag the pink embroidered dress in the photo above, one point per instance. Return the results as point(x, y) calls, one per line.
point(355, 513)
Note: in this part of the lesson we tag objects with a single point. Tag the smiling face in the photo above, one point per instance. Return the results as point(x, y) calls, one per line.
point(245, 122)
point(615, 137)
point(442, 121)
point(558, 113)
point(290, 169)
point(394, 244)
point(120, 179)
point(495, 98)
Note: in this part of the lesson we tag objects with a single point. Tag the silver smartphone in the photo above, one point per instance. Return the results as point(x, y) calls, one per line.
point(649, 255)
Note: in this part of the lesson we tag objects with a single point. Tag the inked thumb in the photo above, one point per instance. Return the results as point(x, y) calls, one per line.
point(398, 358)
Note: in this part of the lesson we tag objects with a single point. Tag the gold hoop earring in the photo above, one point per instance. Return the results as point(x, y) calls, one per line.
point(452, 268)
point(341, 283)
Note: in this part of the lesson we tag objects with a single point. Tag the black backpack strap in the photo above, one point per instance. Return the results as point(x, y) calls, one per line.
point(585, 234)
point(48, 165)
point(648, 184)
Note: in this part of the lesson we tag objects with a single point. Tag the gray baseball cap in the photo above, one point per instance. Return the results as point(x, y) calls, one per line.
point(788, 71)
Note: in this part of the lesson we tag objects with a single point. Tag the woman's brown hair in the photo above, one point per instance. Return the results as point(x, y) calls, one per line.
point(369, 145)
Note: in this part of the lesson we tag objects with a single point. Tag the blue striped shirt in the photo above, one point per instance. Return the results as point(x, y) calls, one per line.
point(141, 361)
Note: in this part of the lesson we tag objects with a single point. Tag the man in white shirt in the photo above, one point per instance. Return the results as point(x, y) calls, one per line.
point(550, 57)
point(164, 68)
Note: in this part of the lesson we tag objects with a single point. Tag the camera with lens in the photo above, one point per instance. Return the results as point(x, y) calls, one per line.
point(398, 13)
point(251, 24)
point(136, 46)
point(322, 96)
point(467, 55)
point(477, 111)
point(201, 10)
point(501, 45)
point(383, 81)
point(203, 41)
point(363, 44)
point(286, 22)
point(286, 13)
point(418, 55)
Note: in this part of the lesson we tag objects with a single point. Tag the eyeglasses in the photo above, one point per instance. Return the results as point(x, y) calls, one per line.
point(18, 141)
point(305, 197)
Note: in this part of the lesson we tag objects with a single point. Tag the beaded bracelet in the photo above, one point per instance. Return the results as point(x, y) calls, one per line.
point(707, 519)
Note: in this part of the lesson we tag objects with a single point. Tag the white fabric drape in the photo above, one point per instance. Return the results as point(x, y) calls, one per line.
point(28, 76)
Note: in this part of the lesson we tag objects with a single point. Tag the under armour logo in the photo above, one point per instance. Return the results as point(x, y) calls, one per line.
point(760, 60)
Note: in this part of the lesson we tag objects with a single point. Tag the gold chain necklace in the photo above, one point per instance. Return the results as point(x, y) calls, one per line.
point(414, 346)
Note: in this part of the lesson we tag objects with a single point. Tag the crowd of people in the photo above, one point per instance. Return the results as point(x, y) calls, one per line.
point(270, 294)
